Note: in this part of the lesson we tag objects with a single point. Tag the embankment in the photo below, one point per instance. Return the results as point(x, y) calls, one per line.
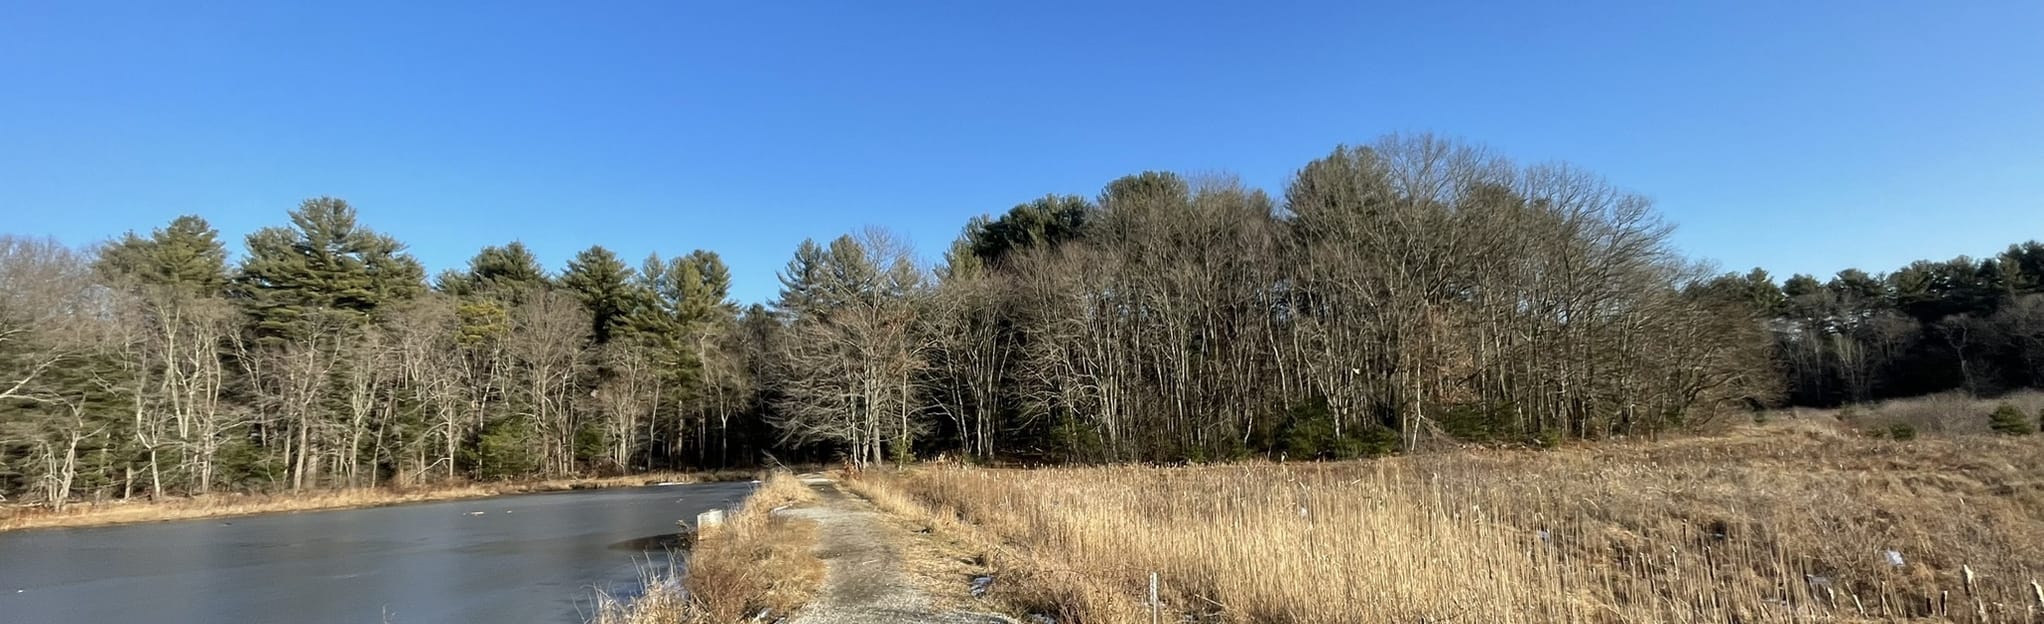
point(756, 562)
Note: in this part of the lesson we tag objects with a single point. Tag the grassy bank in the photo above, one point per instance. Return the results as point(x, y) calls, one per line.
point(1792, 522)
point(754, 563)
point(221, 505)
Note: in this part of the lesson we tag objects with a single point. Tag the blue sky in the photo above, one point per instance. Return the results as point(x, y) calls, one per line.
point(1796, 136)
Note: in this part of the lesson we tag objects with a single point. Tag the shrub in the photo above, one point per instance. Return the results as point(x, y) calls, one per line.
point(2007, 420)
point(1902, 431)
point(1078, 440)
point(1466, 422)
point(504, 449)
point(1307, 431)
point(1367, 441)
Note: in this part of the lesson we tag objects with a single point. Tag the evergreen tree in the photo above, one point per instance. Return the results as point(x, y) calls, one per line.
point(2007, 420)
point(185, 256)
point(1045, 222)
point(1854, 285)
point(850, 276)
point(1992, 286)
point(1763, 293)
point(604, 285)
point(323, 262)
point(2025, 264)
point(705, 286)
point(509, 273)
point(802, 280)
point(1804, 298)
point(655, 318)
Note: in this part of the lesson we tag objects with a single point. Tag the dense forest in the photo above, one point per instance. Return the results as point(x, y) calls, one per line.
point(1413, 291)
point(1975, 326)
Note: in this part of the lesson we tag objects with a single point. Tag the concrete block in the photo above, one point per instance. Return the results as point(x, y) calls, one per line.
point(709, 519)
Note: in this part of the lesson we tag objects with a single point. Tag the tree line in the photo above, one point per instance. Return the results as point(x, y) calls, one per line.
point(1964, 324)
point(1413, 290)
point(149, 365)
point(1393, 296)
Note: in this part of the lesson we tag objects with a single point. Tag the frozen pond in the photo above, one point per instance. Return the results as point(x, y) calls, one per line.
point(523, 558)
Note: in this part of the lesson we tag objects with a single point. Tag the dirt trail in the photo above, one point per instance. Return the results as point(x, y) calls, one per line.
point(865, 581)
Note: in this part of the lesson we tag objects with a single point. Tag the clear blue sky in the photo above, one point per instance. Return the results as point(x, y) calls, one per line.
point(1797, 136)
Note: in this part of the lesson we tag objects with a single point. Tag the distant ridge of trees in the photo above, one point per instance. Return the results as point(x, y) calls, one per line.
point(1932, 326)
point(1412, 290)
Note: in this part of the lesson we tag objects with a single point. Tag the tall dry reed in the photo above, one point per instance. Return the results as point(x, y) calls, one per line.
point(755, 563)
point(1782, 525)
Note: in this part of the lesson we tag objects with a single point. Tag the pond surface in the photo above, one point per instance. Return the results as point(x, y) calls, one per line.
point(523, 558)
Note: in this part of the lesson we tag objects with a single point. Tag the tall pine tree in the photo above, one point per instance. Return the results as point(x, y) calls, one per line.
point(324, 262)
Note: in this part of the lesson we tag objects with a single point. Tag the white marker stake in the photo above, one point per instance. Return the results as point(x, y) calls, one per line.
point(1153, 598)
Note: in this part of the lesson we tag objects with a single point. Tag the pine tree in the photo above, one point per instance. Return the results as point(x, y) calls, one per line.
point(654, 318)
point(169, 357)
point(604, 285)
point(185, 256)
point(1046, 222)
point(324, 263)
point(802, 280)
point(679, 301)
point(510, 274)
point(710, 291)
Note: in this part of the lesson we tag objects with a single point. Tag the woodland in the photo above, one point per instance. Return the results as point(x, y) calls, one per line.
point(1410, 292)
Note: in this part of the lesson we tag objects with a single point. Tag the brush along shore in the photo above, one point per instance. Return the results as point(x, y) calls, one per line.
point(224, 505)
point(752, 564)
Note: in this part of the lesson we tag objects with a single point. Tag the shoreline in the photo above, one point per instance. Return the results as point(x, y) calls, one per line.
point(114, 513)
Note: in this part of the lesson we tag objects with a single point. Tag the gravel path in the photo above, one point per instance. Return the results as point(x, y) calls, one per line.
point(864, 581)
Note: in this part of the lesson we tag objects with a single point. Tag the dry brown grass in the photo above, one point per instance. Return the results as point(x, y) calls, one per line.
point(1786, 523)
point(221, 505)
point(756, 562)
point(1951, 413)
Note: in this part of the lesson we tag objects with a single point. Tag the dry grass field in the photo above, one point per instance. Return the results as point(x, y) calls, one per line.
point(1949, 413)
point(1791, 522)
point(219, 505)
point(756, 562)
